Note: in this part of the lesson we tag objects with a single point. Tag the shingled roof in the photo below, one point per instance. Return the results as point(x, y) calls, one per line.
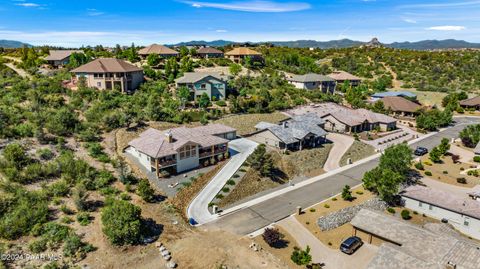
point(209, 50)
point(475, 101)
point(157, 49)
point(311, 77)
point(153, 142)
point(107, 65)
point(342, 75)
point(413, 246)
point(192, 77)
point(351, 117)
point(444, 200)
point(57, 55)
point(399, 104)
point(242, 51)
point(295, 129)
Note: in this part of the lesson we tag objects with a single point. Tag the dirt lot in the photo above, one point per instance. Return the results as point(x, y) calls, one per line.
point(334, 237)
point(245, 123)
point(308, 162)
point(357, 152)
point(284, 252)
point(449, 172)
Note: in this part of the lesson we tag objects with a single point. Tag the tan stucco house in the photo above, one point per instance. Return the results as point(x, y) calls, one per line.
point(181, 149)
point(109, 74)
point(237, 55)
point(161, 50)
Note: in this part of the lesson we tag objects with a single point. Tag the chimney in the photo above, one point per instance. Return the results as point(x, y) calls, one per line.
point(169, 137)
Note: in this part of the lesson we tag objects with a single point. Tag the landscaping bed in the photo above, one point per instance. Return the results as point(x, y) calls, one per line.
point(356, 152)
point(334, 237)
point(449, 172)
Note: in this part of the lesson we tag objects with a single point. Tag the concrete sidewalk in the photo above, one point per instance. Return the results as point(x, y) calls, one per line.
point(198, 208)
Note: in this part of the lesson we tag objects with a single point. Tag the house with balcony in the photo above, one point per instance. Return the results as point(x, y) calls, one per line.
point(213, 84)
point(341, 77)
point(313, 81)
point(109, 74)
point(181, 149)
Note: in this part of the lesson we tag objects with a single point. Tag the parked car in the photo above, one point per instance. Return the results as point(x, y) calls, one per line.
point(420, 151)
point(351, 244)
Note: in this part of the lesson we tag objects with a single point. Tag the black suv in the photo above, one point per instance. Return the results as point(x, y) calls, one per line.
point(351, 244)
point(420, 151)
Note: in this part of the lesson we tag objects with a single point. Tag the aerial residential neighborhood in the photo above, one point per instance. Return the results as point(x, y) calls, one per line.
point(240, 134)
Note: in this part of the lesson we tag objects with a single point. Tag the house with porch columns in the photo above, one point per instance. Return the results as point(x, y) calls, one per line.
point(181, 149)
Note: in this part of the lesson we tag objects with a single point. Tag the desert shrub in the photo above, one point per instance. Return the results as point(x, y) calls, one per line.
point(301, 257)
point(347, 193)
point(272, 236)
point(145, 191)
point(121, 222)
point(476, 159)
point(419, 166)
point(462, 180)
point(326, 206)
point(38, 246)
point(66, 210)
point(391, 210)
point(45, 154)
point(219, 196)
point(428, 173)
point(312, 210)
point(230, 182)
point(226, 189)
point(83, 218)
point(405, 214)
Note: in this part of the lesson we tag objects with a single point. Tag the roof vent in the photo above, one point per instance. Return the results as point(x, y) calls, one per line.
point(285, 124)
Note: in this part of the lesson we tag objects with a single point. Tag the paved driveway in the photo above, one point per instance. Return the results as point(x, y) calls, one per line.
point(341, 143)
point(261, 212)
point(333, 259)
point(240, 149)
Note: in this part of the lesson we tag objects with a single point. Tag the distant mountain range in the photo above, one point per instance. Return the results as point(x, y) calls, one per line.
point(12, 44)
point(347, 43)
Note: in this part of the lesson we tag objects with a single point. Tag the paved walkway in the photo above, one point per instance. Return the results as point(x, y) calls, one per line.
point(19, 71)
point(466, 156)
point(323, 254)
point(198, 208)
point(341, 144)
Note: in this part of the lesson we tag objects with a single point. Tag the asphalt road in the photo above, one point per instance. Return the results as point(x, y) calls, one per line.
point(252, 218)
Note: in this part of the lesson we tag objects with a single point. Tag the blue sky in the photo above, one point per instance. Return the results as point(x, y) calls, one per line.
point(108, 22)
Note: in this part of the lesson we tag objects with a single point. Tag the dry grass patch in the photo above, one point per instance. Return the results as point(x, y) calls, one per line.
point(282, 253)
point(356, 152)
point(332, 238)
point(245, 123)
point(427, 98)
point(448, 172)
point(252, 183)
point(308, 162)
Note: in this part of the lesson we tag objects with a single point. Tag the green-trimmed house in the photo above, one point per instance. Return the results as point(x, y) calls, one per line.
point(213, 84)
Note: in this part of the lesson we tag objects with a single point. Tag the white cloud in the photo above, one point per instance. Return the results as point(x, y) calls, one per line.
point(409, 20)
point(442, 5)
point(28, 4)
point(94, 12)
point(447, 28)
point(253, 6)
point(221, 31)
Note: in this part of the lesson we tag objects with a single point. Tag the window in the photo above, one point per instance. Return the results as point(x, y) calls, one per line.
point(188, 151)
point(465, 222)
point(203, 86)
point(97, 75)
